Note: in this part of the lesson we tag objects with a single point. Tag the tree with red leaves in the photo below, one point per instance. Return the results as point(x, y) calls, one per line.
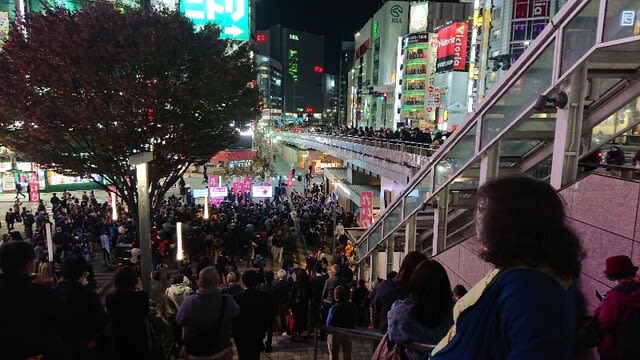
point(82, 91)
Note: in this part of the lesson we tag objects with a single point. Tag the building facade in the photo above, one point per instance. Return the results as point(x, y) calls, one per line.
point(330, 99)
point(375, 66)
point(302, 57)
point(346, 64)
point(270, 85)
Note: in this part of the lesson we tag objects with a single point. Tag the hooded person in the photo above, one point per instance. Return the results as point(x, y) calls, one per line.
point(619, 312)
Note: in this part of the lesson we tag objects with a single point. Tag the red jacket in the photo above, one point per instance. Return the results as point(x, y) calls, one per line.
point(612, 312)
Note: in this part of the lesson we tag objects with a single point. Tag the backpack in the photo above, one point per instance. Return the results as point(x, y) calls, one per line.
point(204, 341)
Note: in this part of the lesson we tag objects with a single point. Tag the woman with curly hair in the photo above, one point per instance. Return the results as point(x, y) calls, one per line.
point(527, 306)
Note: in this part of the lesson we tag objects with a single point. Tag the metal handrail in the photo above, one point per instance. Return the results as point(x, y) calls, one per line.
point(365, 334)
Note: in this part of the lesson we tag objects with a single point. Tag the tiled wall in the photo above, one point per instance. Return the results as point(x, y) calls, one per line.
point(604, 212)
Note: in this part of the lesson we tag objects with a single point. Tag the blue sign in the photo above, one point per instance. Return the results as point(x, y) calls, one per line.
point(232, 16)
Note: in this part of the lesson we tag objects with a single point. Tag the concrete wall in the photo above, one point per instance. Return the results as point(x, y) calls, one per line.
point(604, 211)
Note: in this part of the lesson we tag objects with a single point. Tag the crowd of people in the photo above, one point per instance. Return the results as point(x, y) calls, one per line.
point(209, 304)
point(416, 134)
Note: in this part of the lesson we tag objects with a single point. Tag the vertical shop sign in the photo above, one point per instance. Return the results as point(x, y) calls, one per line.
point(366, 208)
point(34, 186)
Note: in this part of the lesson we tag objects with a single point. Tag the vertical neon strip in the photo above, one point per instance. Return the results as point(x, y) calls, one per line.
point(179, 255)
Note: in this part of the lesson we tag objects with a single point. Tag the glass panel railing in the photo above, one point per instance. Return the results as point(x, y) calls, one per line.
point(417, 195)
point(393, 220)
point(519, 96)
point(375, 237)
point(541, 170)
point(517, 148)
point(456, 157)
point(615, 123)
point(461, 205)
point(622, 19)
point(579, 35)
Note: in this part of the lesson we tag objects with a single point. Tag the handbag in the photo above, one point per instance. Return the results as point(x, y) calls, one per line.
point(388, 350)
point(291, 322)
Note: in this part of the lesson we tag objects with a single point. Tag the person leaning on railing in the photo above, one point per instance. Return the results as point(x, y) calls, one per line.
point(425, 316)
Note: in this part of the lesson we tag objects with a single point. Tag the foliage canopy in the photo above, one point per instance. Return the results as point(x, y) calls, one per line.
point(82, 91)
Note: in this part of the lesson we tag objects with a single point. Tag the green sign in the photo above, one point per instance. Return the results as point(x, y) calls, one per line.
point(374, 29)
point(232, 16)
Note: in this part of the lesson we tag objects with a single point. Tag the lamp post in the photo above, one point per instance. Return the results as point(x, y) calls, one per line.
point(144, 216)
point(179, 250)
point(206, 206)
point(114, 206)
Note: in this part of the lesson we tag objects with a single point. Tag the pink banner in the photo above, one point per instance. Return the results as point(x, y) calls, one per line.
point(213, 183)
point(34, 186)
point(247, 184)
point(237, 187)
point(366, 208)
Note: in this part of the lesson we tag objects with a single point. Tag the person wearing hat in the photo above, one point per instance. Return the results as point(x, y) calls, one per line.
point(616, 310)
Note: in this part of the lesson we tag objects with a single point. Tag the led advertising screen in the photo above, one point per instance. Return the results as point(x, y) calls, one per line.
point(217, 192)
point(452, 47)
point(261, 191)
point(199, 193)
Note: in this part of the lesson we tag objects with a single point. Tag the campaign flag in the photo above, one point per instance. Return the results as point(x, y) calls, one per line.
point(366, 208)
point(34, 187)
point(237, 187)
point(247, 184)
point(213, 183)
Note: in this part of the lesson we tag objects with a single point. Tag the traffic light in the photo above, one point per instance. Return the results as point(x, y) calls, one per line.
point(384, 95)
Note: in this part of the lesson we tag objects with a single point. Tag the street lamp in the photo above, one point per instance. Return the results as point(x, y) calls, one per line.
point(144, 216)
point(179, 254)
point(206, 205)
point(114, 207)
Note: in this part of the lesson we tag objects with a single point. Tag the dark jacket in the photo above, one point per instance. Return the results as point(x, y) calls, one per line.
point(612, 314)
point(256, 311)
point(384, 295)
point(84, 318)
point(281, 292)
point(316, 286)
point(29, 316)
point(329, 286)
point(128, 312)
point(523, 314)
point(343, 314)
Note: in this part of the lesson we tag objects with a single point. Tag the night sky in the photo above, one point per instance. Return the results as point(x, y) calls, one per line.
point(338, 20)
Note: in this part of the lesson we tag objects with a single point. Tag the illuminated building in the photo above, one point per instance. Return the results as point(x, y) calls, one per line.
point(302, 57)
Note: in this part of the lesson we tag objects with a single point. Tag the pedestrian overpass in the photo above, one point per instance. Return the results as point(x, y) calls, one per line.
point(552, 109)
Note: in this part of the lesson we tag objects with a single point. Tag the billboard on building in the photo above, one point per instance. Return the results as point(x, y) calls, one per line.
point(418, 17)
point(452, 47)
point(232, 16)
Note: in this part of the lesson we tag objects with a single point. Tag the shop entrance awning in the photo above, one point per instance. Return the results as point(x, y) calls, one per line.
point(233, 155)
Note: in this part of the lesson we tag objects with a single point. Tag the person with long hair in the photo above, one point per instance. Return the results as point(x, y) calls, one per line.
point(425, 315)
point(392, 289)
point(45, 275)
point(527, 307)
